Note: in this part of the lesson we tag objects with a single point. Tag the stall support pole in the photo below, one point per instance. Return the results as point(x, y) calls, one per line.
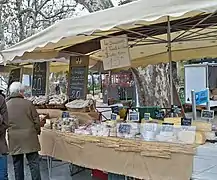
point(93, 84)
point(194, 108)
point(170, 59)
point(47, 78)
point(110, 85)
point(208, 102)
point(100, 77)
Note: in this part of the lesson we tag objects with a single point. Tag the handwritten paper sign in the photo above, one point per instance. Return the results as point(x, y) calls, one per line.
point(207, 114)
point(115, 52)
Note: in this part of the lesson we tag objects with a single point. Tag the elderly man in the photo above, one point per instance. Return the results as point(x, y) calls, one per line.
point(24, 128)
point(3, 144)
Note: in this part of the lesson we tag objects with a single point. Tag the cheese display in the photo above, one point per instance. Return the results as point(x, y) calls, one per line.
point(79, 104)
point(51, 100)
point(57, 99)
point(40, 100)
point(168, 133)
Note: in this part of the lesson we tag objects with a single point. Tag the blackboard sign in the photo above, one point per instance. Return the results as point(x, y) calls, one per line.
point(186, 121)
point(39, 79)
point(77, 83)
point(115, 109)
point(15, 76)
point(207, 114)
point(78, 77)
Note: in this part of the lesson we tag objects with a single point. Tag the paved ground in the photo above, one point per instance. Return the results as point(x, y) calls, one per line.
point(60, 172)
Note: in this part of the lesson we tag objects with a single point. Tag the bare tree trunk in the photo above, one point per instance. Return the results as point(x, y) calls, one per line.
point(1, 28)
point(95, 5)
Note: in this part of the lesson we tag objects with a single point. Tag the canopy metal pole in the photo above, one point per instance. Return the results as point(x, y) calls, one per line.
point(170, 58)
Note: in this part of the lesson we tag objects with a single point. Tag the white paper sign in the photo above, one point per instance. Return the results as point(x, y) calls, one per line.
point(115, 52)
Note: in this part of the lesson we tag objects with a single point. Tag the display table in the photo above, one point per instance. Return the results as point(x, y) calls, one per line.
point(134, 158)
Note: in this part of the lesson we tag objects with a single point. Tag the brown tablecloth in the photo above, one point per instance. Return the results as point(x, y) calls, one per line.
point(94, 154)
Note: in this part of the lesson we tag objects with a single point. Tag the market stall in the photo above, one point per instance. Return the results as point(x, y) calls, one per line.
point(124, 140)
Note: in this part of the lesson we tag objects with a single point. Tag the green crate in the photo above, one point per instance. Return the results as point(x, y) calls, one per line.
point(148, 109)
point(112, 176)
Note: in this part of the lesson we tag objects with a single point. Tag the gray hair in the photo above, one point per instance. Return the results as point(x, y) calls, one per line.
point(16, 87)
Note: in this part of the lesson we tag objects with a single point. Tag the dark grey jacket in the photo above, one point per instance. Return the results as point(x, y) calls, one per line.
point(3, 125)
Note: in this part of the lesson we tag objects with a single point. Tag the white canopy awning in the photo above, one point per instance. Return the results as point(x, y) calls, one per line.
point(72, 31)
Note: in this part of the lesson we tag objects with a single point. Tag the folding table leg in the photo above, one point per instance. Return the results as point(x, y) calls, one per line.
point(49, 165)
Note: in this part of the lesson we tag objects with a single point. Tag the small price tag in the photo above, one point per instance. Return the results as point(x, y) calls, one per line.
point(159, 115)
point(113, 116)
point(167, 127)
point(124, 128)
point(115, 109)
point(186, 121)
point(207, 114)
point(134, 116)
point(147, 116)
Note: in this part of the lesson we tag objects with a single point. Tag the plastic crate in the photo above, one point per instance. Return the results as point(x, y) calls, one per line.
point(148, 109)
point(115, 177)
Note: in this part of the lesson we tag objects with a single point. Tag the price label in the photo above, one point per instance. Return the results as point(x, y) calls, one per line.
point(186, 121)
point(167, 127)
point(134, 116)
point(124, 128)
point(76, 94)
point(113, 116)
point(207, 114)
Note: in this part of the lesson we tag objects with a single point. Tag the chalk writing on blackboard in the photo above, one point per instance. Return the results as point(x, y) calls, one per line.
point(77, 83)
point(39, 79)
point(186, 121)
